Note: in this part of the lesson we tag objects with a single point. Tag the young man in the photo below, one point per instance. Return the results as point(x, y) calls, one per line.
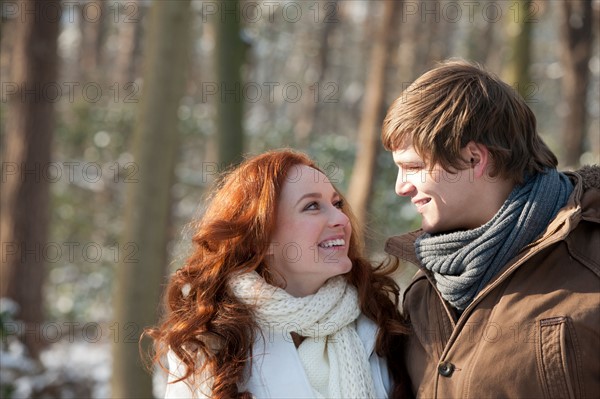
point(507, 299)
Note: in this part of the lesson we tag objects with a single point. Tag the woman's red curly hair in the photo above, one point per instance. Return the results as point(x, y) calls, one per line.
point(207, 327)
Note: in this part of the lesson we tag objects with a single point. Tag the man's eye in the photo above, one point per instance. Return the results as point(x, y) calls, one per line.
point(412, 168)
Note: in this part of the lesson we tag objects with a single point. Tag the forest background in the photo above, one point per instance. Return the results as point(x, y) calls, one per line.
point(118, 115)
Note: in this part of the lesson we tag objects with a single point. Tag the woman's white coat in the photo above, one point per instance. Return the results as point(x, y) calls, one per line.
point(277, 371)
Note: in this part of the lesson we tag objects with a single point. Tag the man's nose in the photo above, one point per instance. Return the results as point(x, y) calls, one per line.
point(403, 186)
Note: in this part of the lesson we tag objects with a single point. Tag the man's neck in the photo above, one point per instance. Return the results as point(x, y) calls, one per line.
point(493, 196)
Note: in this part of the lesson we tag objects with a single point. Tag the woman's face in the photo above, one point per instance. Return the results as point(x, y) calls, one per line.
point(312, 234)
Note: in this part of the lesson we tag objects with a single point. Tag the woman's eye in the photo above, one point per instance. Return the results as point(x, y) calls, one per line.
point(313, 206)
point(339, 204)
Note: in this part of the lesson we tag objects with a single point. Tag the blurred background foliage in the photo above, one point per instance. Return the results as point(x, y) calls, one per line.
point(303, 70)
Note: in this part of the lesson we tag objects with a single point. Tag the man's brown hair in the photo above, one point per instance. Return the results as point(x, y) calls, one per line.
point(458, 102)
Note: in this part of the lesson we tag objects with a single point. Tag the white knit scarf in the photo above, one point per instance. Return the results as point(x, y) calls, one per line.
point(333, 356)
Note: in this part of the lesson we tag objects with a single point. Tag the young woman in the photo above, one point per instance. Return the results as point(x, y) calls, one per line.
point(277, 300)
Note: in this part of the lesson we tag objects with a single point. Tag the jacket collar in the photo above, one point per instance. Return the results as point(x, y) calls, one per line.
point(403, 246)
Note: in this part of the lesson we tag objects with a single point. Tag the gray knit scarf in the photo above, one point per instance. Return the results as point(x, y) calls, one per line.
point(463, 262)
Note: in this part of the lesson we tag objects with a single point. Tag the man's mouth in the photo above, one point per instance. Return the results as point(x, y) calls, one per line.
point(420, 203)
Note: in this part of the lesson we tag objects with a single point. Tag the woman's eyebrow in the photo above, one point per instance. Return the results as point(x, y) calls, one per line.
point(309, 195)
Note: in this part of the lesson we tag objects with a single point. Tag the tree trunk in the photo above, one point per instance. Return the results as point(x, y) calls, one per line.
point(576, 49)
point(310, 102)
point(230, 56)
point(92, 28)
point(140, 274)
point(359, 190)
point(25, 166)
point(520, 26)
point(481, 39)
point(129, 32)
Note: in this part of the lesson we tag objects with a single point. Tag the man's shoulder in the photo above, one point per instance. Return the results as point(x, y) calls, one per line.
point(586, 181)
point(590, 176)
point(583, 241)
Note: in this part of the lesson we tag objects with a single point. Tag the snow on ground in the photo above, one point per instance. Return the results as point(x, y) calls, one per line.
point(76, 364)
point(67, 370)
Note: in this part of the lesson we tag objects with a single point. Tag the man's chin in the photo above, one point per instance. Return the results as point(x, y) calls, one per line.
point(431, 228)
point(427, 228)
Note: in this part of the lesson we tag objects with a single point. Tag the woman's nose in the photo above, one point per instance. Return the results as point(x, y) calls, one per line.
point(339, 218)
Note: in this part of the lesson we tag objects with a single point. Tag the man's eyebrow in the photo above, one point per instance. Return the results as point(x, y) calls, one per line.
point(408, 161)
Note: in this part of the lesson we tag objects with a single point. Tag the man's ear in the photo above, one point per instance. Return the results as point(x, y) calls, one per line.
point(477, 156)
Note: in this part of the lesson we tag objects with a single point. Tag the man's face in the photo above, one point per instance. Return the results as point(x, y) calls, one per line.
point(446, 201)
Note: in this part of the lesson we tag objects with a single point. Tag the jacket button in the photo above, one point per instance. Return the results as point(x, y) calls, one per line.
point(446, 369)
